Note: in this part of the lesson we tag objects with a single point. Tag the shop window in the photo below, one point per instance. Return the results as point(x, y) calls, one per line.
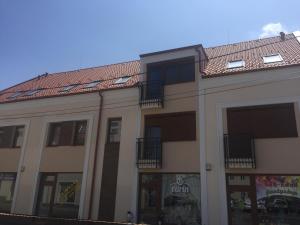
point(170, 198)
point(173, 72)
point(114, 131)
point(278, 199)
point(64, 189)
point(11, 136)
point(267, 121)
point(173, 126)
point(67, 133)
point(7, 186)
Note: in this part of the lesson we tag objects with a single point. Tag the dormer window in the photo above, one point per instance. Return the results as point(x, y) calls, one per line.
point(122, 80)
point(92, 84)
point(236, 64)
point(68, 88)
point(272, 58)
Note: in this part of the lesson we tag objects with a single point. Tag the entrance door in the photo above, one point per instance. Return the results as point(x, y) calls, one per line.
point(46, 195)
point(241, 200)
point(150, 199)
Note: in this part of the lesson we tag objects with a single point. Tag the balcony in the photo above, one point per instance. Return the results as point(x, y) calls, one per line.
point(149, 153)
point(239, 152)
point(151, 94)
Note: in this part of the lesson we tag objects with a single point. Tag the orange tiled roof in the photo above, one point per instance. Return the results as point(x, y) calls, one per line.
point(218, 57)
point(52, 84)
point(252, 52)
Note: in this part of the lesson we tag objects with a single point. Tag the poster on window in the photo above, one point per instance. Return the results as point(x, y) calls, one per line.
point(278, 199)
point(181, 199)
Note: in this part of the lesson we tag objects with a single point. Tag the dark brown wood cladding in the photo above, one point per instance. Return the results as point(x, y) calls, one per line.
point(109, 182)
point(267, 121)
point(174, 126)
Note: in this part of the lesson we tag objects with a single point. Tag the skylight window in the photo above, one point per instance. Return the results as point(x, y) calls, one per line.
point(122, 80)
point(272, 58)
point(15, 95)
point(235, 64)
point(92, 84)
point(32, 92)
point(68, 88)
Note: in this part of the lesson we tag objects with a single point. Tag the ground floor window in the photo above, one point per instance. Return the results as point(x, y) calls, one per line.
point(7, 186)
point(264, 199)
point(169, 199)
point(59, 195)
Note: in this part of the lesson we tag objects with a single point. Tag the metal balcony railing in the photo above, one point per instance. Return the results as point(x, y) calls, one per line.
point(239, 151)
point(149, 153)
point(151, 94)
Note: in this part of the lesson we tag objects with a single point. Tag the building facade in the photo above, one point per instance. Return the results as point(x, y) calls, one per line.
point(191, 135)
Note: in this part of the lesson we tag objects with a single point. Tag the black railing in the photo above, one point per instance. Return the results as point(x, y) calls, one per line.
point(149, 153)
point(239, 151)
point(152, 93)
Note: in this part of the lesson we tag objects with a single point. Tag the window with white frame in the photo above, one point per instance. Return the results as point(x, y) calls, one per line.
point(272, 58)
point(122, 80)
point(235, 64)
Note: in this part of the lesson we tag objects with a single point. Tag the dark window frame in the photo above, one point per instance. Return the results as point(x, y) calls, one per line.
point(42, 182)
point(108, 130)
point(163, 66)
point(73, 135)
point(13, 136)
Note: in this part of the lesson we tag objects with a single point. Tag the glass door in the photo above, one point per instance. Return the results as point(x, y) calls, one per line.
point(150, 199)
point(46, 195)
point(154, 84)
point(241, 200)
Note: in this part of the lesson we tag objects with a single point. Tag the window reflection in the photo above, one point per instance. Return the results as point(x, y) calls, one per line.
point(7, 185)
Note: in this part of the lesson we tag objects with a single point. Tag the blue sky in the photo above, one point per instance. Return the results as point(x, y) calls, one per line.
point(38, 36)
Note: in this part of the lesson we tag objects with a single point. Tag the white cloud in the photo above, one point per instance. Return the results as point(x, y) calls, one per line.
point(272, 29)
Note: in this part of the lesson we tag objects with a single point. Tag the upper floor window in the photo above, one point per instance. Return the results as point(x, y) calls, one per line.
point(272, 58)
point(67, 133)
point(11, 136)
point(114, 131)
point(92, 84)
point(122, 80)
point(172, 72)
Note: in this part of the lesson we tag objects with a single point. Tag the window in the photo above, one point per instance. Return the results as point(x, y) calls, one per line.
point(114, 131)
point(15, 95)
point(173, 126)
point(7, 186)
point(32, 92)
point(68, 88)
point(235, 64)
point(64, 189)
point(267, 121)
point(172, 72)
point(67, 133)
point(122, 80)
point(11, 136)
point(272, 58)
point(92, 84)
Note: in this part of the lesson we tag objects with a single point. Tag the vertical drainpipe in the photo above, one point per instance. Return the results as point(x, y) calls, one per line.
point(202, 143)
point(91, 200)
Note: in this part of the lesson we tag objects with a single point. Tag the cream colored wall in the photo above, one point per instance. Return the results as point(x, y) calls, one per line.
point(240, 90)
point(62, 159)
point(36, 157)
point(180, 97)
point(120, 104)
point(10, 160)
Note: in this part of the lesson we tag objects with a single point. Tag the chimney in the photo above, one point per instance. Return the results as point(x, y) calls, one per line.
point(282, 36)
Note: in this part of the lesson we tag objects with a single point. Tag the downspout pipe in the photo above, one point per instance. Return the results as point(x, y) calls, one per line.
point(91, 200)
